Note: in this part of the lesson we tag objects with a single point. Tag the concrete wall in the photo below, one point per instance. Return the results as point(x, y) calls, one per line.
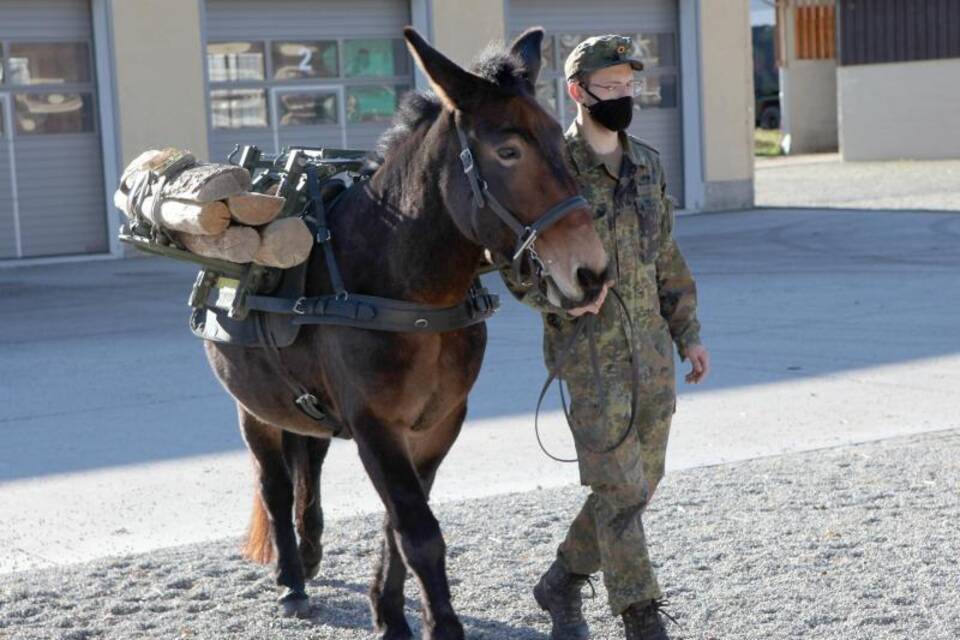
point(808, 96)
point(159, 75)
point(462, 28)
point(808, 105)
point(726, 84)
point(900, 110)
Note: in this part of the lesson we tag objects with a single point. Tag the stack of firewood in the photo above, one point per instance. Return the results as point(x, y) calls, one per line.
point(210, 210)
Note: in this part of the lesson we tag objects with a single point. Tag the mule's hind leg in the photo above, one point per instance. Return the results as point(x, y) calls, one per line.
point(304, 457)
point(276, 523)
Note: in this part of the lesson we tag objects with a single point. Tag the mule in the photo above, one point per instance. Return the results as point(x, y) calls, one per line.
point(410, 232)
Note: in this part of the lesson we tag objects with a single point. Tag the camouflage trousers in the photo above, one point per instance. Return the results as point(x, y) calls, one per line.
point(608, 533)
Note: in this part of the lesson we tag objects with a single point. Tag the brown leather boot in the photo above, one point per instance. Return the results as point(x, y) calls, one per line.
point(642, 621)
point(558, 593)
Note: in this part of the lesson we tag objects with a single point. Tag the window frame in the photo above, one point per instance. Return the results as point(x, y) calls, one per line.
point(341, 81)
point(12, 90)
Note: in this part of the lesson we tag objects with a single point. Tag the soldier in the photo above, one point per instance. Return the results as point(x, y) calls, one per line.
point(626, 353)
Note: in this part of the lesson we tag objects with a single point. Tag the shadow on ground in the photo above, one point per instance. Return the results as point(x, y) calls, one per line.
point(98, 367)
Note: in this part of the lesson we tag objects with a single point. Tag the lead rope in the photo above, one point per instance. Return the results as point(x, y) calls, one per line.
point(588, 324)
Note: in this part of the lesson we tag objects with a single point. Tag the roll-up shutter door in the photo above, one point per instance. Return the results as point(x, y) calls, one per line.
point(51, 167)
point(654, 25)
point(305, 72)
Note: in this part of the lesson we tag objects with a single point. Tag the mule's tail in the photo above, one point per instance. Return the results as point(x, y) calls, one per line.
point(259, 546)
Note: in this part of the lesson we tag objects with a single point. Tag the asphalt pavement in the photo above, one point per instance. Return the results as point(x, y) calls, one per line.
point(827, 327)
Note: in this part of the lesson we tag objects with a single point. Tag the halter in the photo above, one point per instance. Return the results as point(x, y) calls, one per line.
point(526, 234)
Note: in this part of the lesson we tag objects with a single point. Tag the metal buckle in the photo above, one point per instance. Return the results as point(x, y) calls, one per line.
point(323, 234)
point(299, 307)
point(526, 241)
point(466, 159)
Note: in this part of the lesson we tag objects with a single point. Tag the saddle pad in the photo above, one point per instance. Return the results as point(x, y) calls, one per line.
point(258, 329)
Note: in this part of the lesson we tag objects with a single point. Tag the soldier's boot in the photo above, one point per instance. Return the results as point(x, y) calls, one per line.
point(558, 593)
point(642, 621)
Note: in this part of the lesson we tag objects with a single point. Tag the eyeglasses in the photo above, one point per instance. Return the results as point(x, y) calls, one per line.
point(616, 89)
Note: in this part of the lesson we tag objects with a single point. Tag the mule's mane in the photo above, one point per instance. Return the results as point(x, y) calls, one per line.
point(421, 108)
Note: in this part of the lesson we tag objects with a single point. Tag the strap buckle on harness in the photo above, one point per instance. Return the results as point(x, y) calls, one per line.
point(323, 235)
point(300, 306)
point(466, 159)
point(309, 404)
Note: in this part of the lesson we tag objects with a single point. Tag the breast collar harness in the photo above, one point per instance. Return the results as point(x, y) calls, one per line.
point(526, 234)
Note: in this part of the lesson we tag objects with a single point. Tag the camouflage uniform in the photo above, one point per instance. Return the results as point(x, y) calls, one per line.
point(634, 219)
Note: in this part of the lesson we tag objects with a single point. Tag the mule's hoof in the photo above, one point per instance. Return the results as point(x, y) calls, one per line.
point(294, 604)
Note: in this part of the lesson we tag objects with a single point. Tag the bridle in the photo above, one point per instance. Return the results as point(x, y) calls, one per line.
point(526, 233)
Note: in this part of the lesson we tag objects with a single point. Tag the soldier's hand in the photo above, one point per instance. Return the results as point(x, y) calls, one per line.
point(593, 307)
point(699, 359)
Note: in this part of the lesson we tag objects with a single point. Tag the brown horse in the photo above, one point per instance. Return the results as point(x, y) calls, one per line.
point(410, 232)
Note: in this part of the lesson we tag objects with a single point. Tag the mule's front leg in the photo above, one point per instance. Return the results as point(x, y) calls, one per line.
point(386, 592)
point(415, 530)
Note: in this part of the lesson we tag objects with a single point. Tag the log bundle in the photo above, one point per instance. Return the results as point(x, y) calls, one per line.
point(210, 210)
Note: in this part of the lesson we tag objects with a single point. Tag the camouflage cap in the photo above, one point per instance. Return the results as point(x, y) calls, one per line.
point(600, 52)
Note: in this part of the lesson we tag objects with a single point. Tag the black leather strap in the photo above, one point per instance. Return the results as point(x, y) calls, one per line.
point(380, 314)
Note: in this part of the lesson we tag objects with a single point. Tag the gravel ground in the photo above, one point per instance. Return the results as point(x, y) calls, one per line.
point(824, 180)
point(852, 543)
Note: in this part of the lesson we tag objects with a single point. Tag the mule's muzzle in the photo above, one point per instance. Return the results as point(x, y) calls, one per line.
point(591, 283)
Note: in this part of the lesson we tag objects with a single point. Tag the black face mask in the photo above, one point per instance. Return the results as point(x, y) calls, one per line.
point(614, 114)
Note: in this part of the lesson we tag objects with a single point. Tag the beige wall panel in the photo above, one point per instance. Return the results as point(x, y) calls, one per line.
point(160, 87)
point(903, 110)
point(463, 28)
point(809, 105)
point(727, 90)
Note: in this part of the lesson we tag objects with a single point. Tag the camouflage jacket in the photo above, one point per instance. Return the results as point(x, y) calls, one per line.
point(634, 219)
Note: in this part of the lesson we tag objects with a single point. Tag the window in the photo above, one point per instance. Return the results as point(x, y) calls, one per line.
point(299, 108)
point(239, 108)
point(235, 61)
point(296, 60)
point(32, 63)
point(547, 95)
point(656, 50)
point(284, 83)
point(381, 58)
point(373, 103)
point(46, 113)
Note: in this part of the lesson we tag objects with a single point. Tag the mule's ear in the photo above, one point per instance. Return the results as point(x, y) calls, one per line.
point(457, 88)
point(527, 47)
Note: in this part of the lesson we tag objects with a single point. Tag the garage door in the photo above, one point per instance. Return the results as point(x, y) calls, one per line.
point(654, 25)
point(51, 171)
point(305, 72)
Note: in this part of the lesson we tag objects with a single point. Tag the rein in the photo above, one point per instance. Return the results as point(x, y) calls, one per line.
point(587, 324)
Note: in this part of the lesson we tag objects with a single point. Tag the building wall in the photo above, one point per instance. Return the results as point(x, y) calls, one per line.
point(808, 96)
point(900, 110)
point(726, 89)
point(159, 70)
point(159, 75)
point(463, 28)
point(808, 105)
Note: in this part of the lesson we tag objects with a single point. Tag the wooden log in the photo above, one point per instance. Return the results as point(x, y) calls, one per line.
point(207, 219)
point(208, 182)
point(284, 243)
point(255, 209)
point(236, 244)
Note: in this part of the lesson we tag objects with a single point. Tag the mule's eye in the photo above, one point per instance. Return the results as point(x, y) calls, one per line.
point(508, 153)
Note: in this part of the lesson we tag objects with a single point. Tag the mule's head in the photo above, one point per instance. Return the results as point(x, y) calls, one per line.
point(518, 149)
